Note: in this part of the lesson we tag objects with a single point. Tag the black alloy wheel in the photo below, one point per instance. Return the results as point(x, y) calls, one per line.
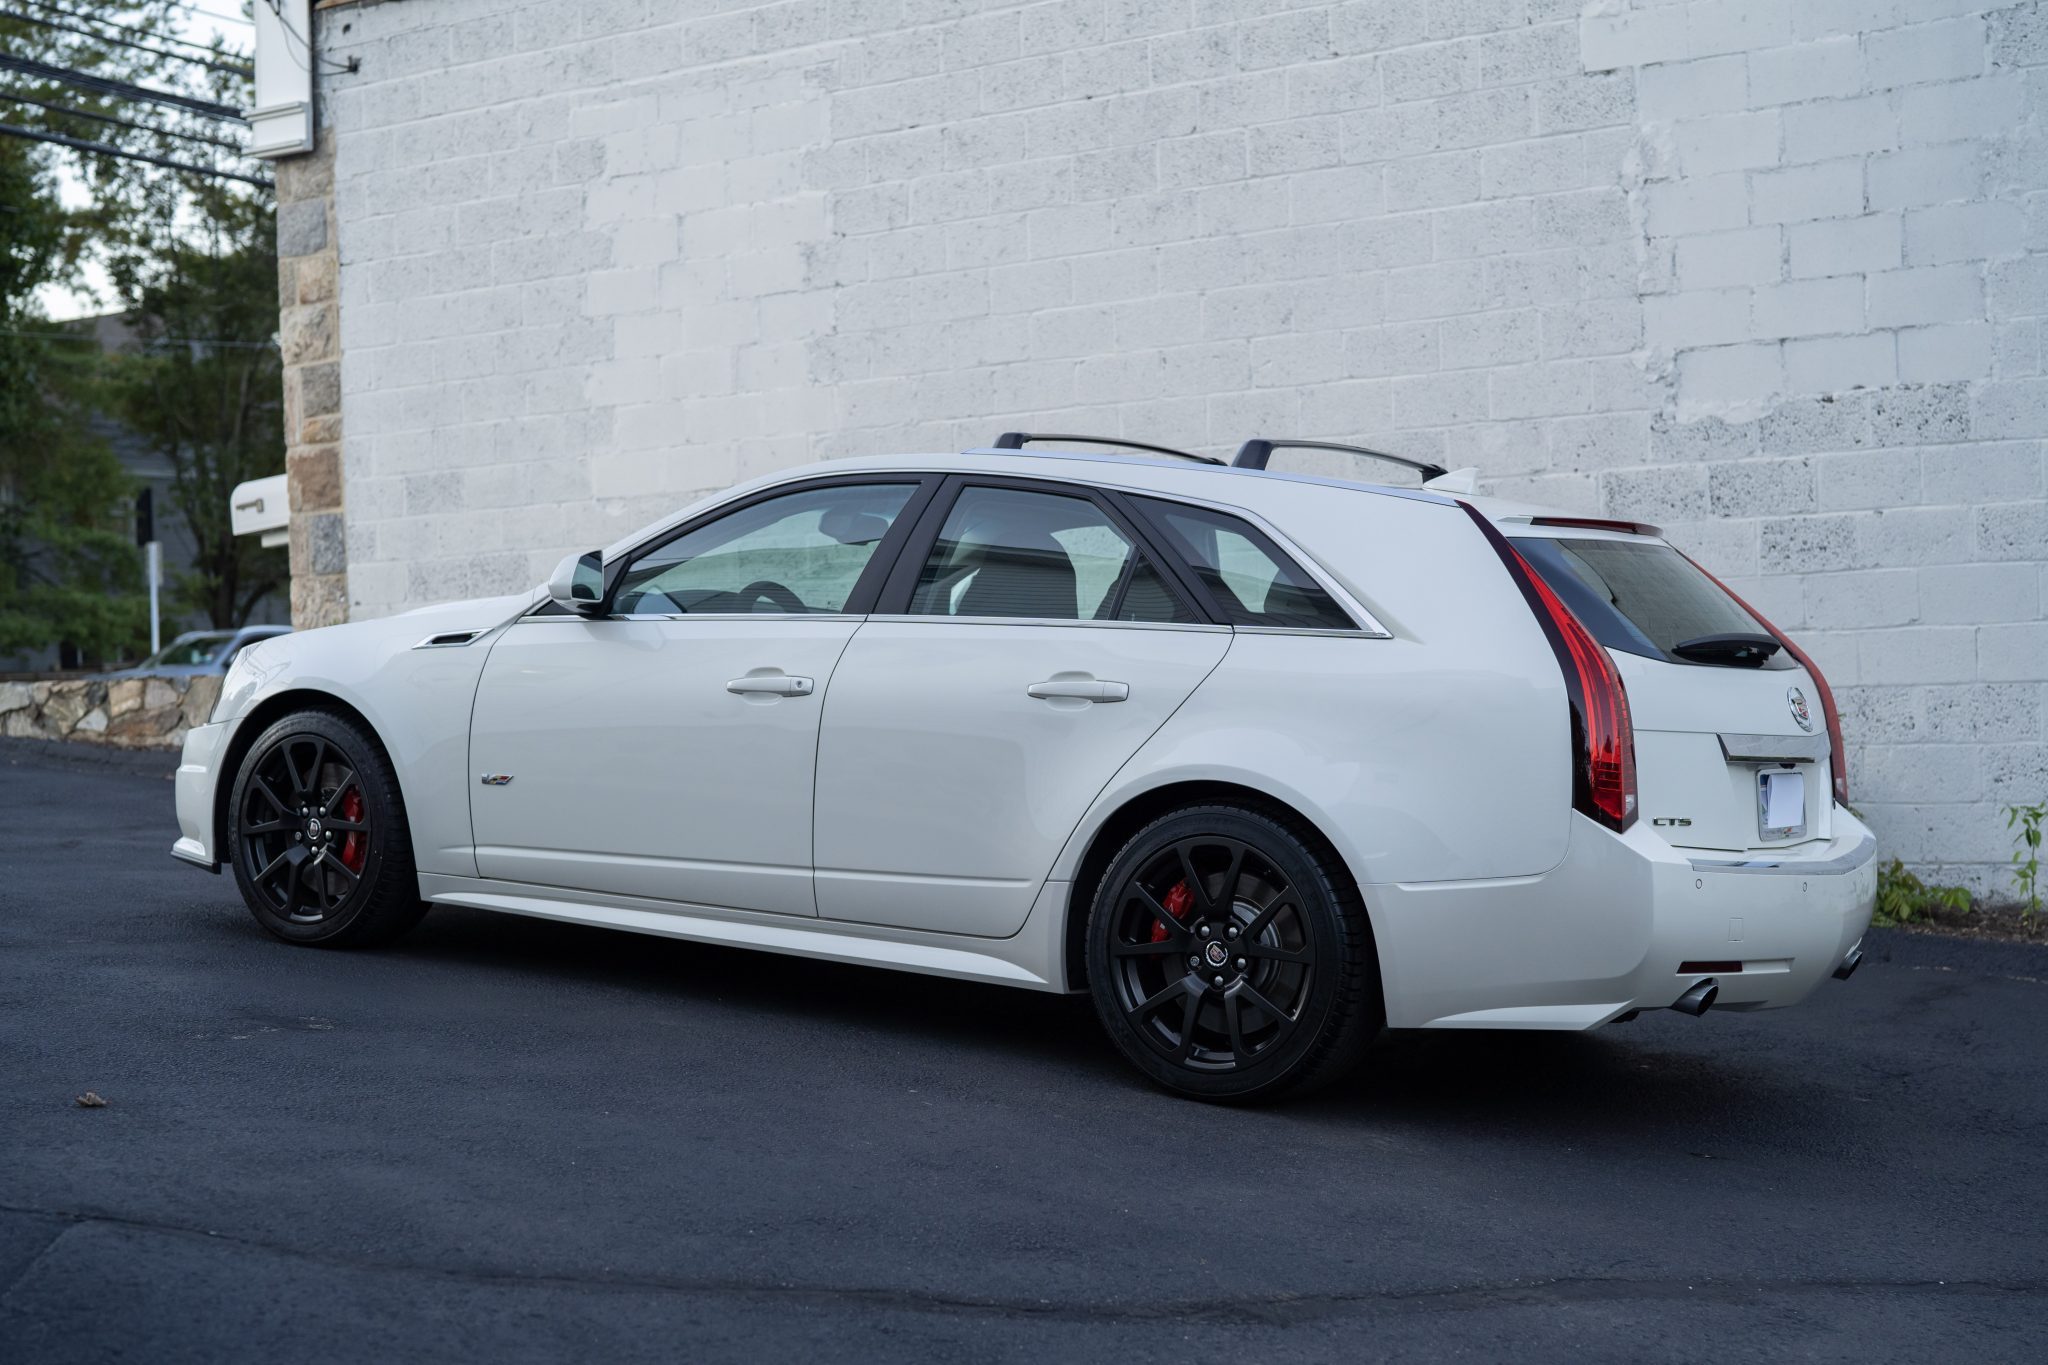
point(318, 837)
point(1230, 958)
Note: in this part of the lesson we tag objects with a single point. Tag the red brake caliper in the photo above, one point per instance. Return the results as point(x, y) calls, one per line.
point(1178, 902)
point(356, 846)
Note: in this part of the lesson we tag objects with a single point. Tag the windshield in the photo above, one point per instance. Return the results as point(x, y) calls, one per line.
point(1638, 597)
point(199, 649)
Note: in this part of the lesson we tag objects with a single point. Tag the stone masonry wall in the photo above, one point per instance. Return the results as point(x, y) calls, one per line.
point(127, 713)
point(309, 331)
point(1771, 274)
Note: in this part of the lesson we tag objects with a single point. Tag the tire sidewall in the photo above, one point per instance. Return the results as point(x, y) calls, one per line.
point(368, 764)
point(1321, 906)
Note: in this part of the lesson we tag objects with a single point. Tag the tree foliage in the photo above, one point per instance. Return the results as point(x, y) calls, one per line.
point(69, 572)
point(213, 408)
point(191, 259)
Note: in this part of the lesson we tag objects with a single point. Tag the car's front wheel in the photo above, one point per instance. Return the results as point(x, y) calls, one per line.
point(1230, 958)
point(318, 837)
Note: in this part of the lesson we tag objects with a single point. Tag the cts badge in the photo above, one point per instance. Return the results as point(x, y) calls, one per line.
point(1796, 699)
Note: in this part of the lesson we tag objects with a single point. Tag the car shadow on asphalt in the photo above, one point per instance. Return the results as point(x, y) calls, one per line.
point(1622, 1080)
point(771, 984)
point(1645, 1081)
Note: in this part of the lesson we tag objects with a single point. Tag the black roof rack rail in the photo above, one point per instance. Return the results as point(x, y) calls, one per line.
point(1254, 454)
point(1017, 440)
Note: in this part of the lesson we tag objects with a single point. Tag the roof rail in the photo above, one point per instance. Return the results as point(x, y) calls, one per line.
point(1017, 440)
point(1254, 454)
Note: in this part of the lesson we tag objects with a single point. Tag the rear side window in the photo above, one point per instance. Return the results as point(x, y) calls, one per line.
point(1041, 556)
point(1638, 597)
point(1251, 579)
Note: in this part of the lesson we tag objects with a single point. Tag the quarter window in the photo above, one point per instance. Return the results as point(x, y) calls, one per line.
point(1044, 556)
point(1251, 579)
point(801, 552)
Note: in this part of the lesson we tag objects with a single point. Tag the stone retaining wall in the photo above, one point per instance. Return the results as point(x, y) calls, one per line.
point(127, 713)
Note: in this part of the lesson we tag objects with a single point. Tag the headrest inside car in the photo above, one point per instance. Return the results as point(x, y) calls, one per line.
point(851, 527)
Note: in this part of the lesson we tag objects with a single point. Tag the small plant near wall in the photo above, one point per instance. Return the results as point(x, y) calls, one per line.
point(1903, 898)
point(2026, 859)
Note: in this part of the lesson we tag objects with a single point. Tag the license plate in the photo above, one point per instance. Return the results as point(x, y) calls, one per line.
point(1781, 804)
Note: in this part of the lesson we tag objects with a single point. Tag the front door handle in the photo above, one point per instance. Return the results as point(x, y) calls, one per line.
point(771, 685)
point(1081, 689)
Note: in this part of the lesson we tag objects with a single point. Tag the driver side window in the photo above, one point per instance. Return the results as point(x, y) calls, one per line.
point(801, 552)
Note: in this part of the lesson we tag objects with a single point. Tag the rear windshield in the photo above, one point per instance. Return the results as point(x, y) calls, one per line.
point(1640, 598)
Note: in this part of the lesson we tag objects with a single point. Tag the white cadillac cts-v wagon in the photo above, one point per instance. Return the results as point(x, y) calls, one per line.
point(1261, 762)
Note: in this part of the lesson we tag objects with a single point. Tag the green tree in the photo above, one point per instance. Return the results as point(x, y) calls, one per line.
point(69, 571)
point(211, 403)
point(190, 255)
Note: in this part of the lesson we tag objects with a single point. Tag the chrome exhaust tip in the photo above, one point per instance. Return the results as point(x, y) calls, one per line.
point(1699, 999)
point(1849, 965)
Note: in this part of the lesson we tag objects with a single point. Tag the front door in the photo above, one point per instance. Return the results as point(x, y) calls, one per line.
point(667, 749)
point(967, 733)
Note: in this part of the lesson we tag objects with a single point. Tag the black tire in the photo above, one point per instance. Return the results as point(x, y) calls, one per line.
point(318, 837)
point(1299, 995)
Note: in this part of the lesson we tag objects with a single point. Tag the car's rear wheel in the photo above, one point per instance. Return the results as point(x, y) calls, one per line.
point(318, 837)
point(1230, 958)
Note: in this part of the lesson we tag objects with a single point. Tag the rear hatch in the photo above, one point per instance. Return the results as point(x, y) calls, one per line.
point(1732, 748)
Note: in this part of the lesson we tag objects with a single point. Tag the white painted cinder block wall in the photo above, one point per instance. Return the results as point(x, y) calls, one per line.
point(1769, 273)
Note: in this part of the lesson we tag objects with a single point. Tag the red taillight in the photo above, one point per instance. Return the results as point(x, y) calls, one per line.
point(1607, 751)
point(1604, 778)
point(1839, 759)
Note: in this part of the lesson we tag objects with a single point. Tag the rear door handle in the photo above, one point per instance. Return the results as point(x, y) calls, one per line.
point(1082, 689)
point(771, 684)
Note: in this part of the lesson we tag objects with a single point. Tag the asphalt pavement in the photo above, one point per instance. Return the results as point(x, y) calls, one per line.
point(507, 1140)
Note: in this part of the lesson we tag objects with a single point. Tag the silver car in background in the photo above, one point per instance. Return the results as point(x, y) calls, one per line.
point(198, 653)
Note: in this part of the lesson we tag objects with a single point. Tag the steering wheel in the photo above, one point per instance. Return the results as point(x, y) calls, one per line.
point(767, 589)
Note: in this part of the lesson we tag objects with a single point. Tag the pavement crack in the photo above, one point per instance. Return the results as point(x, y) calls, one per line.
point(57, 1234)
point(1268, 1309)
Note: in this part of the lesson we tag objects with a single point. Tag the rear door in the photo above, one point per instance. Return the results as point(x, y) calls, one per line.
point(1732, 747)
point(1030, 641)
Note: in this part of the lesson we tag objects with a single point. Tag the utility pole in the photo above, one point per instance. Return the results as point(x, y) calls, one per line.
point(152, 558)
point(155, 553)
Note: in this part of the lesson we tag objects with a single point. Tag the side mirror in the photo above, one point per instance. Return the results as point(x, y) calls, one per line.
point(578, 583)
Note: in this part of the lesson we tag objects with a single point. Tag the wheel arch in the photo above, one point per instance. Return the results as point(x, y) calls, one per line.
point(259, 719)
point(1140, 809)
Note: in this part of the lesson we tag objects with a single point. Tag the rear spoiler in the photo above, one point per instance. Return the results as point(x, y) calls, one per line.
point(1616, 524)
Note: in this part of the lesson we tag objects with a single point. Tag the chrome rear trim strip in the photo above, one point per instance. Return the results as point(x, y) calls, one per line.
point(1863, 852)
point(1775, 748)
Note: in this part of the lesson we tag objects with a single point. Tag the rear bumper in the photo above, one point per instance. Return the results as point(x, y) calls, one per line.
point(1613, 928)
point(198, 778)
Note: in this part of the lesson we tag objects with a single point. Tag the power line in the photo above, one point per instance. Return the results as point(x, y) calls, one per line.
point(210, 14)
point(159, 37)
point(108, 86)
point(306, 46)
point(222, 67)
point(67, 110)
point(144, 341)
point(109, 149)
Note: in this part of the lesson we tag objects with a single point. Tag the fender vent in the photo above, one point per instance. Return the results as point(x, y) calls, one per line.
point(451, 640)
